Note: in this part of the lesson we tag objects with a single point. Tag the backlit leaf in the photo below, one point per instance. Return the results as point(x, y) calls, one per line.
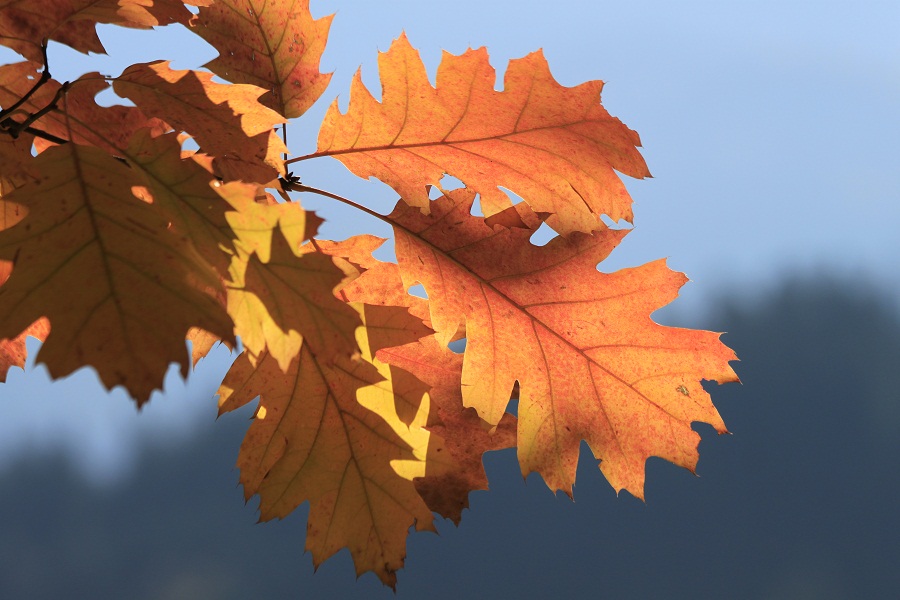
point(24, 23)
point(12, 351)
point(590, 363)
point(78, 117)
point(328, 433)
point(463, 437)
point(120, 290)
point(187, 195)
point(281, 297)
point(273, 45)
point(226, 120)
point(556, 147)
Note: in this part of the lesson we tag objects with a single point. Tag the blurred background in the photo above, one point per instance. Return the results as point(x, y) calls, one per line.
point(771, 130)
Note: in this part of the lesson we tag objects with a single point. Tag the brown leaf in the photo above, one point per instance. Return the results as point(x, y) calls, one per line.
point(12, 351)
point(120, 290)
point(273, 45)
point(16, 161)
point(327, 433)
point(79, 118)
point(187, 195)
point(24, 23)
point(556, 147)
point(226, 120)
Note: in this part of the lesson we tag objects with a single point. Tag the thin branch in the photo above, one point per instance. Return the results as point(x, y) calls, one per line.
point(307, 157)
point(47, 136)
point(45, 77)
point(51, 106)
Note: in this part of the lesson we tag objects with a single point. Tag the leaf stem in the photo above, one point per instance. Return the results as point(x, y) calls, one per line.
point(298, 187)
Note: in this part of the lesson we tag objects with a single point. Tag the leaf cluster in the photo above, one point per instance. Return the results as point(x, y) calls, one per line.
point(118, 242)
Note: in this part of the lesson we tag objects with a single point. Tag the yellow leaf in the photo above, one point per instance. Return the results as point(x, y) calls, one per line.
point(328, 433)
point(280, 296)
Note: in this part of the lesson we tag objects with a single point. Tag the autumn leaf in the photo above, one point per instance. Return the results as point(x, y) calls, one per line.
point(117, 243)
point(120, 290)
point(590, 362)
point(279, 296)
point(201, 343)
point(226, 120)
point(462, 435)
point(78, 117)
point(12, 351)
point(24, 23)
point(275, 46)
point(15, 156)
point(187, 195)
point(556, 147)
point(465, 436)
point(328, 433)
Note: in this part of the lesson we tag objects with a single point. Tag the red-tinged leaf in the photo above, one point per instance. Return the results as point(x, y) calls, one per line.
point(590, 363)
point(24, 23)
point(226, 120)
point(556, 147)
point(327, 433)
point(120, 289)
point(13, 352)
point(273, 45)
point(78, 117)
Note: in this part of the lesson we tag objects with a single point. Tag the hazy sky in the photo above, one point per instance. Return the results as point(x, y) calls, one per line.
point(770, 128)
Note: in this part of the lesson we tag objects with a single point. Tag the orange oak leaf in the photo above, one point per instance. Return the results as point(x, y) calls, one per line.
point(120, 289)
point(276, 46)
point(78, 117)
point(590, 363)
point(13, 352)
point(556, 147)
point(328, 433)
point(24, 23)
point(226, 120)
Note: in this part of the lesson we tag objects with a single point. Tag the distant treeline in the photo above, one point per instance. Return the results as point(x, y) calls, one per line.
point(800, 502)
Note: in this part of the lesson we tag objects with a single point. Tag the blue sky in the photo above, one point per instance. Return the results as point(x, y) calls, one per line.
point(770, 128)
